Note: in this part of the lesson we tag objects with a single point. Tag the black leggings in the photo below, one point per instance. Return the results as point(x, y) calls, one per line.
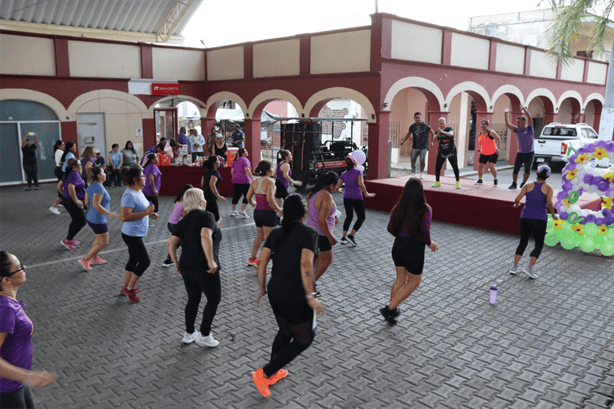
point(77, 216)
point(31, 174)
point(351, 206)
point(138, 260)
point(538, 228)
point(154, 200)
point(19, 399)
point(197, 283)
point(239, 189)
point(441, 160)
point(212, 206)
point(291, 340)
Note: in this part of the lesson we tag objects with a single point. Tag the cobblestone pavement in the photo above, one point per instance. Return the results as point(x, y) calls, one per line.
point(547, 343)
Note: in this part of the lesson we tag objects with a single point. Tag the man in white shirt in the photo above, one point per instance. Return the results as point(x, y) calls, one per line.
point(198, 142)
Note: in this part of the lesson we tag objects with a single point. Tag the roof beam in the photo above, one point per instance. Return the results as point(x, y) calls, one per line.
point(172, 19)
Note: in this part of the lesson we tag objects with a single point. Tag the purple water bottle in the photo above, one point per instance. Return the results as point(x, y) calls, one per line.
point(493, 294)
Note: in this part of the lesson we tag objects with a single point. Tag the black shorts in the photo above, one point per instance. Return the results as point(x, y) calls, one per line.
point(525, 159)
point(324, 243)
point(265, 218)
point(409, 253)
point(489, 158)
point(280, 190)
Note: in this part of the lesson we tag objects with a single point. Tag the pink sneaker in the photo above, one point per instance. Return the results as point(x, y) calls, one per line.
point(68, 244)
point(97, 260)
point(131, 294)
point(124, 289)
point(75, 242)
point(85, 264)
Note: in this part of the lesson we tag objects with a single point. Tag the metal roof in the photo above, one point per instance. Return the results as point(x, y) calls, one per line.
point(141, 16)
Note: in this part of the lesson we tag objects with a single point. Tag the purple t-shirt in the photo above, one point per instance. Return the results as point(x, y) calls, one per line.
point(312, 216)
point(184, 140)
point(152, 169)
point(75, 179)
point(350, 178)
point(536, 206)
point(280, 175)
point(176, 213)
point(240, 176)
point(525, 139)
point(17, 348)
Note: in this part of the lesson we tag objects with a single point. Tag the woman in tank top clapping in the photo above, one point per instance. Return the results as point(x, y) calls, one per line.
point(266, 210)
point(534, 218)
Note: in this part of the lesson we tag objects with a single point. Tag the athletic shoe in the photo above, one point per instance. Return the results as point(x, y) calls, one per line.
point(36, 188)
point(343, 240)
point(60, 205)
point(28, 189)
point(168, 263)
point(188, 338)
point(521, 185)
point(262, 384)
point(351, 240)
point(479, 182)
point(85, 264)
point(252, 262)
point(395, 313)
point(75, 242)
point(513, 186)
point(421, 175)
point(436, 184)
point(530, 273)
point(234, 213)
point(387, 314)
point(514, 270)
point(98, 260)
point(244, 215)
point(131, 294)
point(458, 185)
point(54, 210)
point(203, 341)
point(124, 289)
point(68, 244)
point(496, 183)
point(279, 375)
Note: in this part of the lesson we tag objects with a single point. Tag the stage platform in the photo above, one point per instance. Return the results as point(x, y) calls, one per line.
point(481, 206)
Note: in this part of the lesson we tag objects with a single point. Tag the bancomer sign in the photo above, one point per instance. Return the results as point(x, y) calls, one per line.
point(164, 89)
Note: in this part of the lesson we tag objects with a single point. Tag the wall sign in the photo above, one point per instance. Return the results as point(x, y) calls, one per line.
point(164, 89)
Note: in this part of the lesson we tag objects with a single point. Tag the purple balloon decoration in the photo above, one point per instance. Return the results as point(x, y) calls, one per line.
point(588, 178)
point(603, 185)
point(564, 215)
point(610, 147)
point(601, 144)
point(567, 186)
point(590, 219)
point(561, 195)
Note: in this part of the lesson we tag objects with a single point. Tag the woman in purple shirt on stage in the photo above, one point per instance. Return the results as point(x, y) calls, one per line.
point(410, 223)
point(16, 376)
point(534, 218)
point(153, 180)
point(241, 178)
point(352, 199)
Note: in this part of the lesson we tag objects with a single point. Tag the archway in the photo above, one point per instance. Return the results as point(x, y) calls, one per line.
point(592, 113)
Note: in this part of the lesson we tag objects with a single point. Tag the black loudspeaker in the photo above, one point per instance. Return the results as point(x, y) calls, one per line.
point(300, 139)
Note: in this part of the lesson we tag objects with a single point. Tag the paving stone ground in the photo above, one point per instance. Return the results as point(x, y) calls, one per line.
point(547, 343)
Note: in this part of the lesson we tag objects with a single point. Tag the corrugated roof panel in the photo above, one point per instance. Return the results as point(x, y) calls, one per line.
point(142, 16)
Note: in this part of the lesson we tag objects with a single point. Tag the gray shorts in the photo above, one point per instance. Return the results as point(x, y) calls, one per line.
point(414, 155)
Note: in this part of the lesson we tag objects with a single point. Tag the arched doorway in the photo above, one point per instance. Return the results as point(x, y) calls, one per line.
point(17, 119)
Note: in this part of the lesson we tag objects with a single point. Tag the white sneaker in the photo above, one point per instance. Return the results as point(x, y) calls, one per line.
point(203, 341)
point(234, 213)
point(421, 175)
point(514, 270)
point(54, 210)
point(189, 338)
point(530, 273)
point(243, 215)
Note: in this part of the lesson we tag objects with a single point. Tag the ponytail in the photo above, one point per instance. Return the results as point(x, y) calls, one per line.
point(325, 179)
point(239, 154)
point(263, 167)
point(294, 209)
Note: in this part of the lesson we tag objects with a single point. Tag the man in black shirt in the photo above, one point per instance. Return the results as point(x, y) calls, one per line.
point(421, 135)
point(29, 160)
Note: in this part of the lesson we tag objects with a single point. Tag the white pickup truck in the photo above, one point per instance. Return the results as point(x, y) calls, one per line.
point(556, 141)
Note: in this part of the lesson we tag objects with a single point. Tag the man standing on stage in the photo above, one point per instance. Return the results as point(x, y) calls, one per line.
point(421, 135)
point(526, 134)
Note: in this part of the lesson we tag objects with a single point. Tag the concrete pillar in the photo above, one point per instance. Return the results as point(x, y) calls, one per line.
point(433, 121)
point(252, 140)
point(149, 132)
point(463, 130)
point(378, 147)
point(480, 116)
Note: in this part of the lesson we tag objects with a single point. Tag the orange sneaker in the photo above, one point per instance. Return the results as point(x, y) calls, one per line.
point(281, 374)
point(252, 262)
point(262, 384)
point(97, 260)
point(85, 264)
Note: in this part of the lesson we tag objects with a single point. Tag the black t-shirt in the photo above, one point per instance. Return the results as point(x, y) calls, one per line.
point(207, 175)
point(29, 156)
point(446, 143)
point(421, 135)
point(286, 248)
point(236, 137)
point(188, 229)
point(221, 151)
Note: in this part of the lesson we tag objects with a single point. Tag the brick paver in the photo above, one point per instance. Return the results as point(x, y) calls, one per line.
point(546, 343)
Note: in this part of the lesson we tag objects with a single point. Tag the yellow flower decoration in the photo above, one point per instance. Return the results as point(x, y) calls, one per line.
point(582, 158)
point(578, 228)
point(606, 202)
point(600, 153)
point(566, 202)
point(609, 177)
point(571, 174)
point(558, 224)
point(603, 230)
